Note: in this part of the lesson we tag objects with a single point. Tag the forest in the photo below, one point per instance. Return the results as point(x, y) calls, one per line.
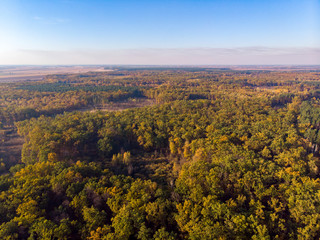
point(161, 153)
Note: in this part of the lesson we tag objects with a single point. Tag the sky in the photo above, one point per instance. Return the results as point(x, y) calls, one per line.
point(181, 32)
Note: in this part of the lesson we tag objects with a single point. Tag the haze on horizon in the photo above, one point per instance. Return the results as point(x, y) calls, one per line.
point(165, 32)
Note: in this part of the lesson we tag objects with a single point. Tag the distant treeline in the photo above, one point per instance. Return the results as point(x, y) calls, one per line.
point(65, 87)
point(155, 68)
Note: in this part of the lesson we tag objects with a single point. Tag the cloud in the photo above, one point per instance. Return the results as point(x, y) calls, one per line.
point(175, 56)
point(50, 21)
point(37, 18)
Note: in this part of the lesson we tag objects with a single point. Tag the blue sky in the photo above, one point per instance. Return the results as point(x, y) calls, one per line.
point(159, 32)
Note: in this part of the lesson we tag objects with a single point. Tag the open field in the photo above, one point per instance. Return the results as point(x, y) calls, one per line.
point(35, 73)
point(278, 67)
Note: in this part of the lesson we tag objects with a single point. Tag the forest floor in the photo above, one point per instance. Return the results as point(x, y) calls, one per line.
point(10, 146)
